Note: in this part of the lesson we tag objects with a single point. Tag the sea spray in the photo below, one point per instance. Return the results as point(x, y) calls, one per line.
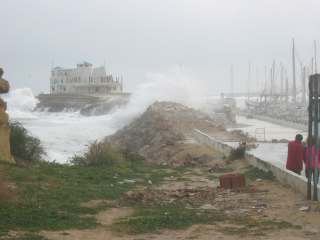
point(65, 133)
point(174, 86)
point(21, 102)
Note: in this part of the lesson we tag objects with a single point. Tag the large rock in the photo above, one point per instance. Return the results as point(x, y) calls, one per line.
point(4, 86)
point(5, 154)
point(160, 133)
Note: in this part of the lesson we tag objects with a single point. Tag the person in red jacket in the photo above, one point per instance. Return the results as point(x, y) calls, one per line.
point(295, 155)
point(313, 159)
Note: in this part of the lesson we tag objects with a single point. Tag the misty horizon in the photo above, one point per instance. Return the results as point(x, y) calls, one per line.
point(140, 38)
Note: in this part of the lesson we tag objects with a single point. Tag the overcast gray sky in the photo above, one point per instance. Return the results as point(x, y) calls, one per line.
point(137, 37)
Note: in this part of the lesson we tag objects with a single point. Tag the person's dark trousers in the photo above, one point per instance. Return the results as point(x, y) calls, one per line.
point(313, 173)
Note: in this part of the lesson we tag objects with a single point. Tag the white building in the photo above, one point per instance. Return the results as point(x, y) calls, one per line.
point(84, 80)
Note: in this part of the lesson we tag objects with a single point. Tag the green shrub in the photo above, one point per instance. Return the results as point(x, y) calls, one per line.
point(238, 153)
point(254, 173)
point(24, 147)
point(98, 153)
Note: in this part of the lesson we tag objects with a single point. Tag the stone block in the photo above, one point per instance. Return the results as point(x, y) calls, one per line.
point(232, 181)
point(226, 181)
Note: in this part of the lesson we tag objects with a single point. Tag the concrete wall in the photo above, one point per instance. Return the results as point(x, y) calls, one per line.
point(296, 182)
point(281, 122)
point(203, 138)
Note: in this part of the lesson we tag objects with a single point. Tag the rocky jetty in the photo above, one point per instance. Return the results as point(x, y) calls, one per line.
point(87, 105)
point(5, 154)
point(163, 134)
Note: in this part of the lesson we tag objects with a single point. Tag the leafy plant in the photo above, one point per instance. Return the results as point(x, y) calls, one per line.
point(24, 146)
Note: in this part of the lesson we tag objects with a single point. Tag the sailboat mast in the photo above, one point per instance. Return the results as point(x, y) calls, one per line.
point(303, 83)
point(315, 56)
point(294, 91)
point(231, 81)
point(281, 79)
point(265, 79)
point(273, 75)
point(271, 82)
point(287, 86)
point(249, 79)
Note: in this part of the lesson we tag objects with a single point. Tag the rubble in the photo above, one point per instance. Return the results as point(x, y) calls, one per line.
point(192, 196)
point(162, 134)
point(305, 208)
point(217, 168)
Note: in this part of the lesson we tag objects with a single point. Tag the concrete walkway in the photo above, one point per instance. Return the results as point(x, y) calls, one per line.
point(267, 156)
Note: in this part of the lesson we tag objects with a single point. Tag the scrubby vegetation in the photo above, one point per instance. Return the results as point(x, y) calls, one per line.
point(254, 173)
point(101, 154)
point(24, 146)
point(244, 226)
point(98, 154)
point(170, 216)
point(238, 153)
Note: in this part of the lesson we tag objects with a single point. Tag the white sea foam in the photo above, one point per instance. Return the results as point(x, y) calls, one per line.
point(66, 133)
point(21, 102)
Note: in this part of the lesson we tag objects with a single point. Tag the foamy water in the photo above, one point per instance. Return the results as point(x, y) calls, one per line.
point(62, 134)
point(67, 133)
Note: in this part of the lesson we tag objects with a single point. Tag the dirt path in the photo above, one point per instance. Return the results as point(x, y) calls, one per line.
point(104, 218)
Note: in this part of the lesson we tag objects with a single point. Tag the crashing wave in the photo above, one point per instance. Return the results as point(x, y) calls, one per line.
point(21, 102)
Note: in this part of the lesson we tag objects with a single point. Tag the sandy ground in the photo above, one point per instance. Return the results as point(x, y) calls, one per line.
point(269, 200)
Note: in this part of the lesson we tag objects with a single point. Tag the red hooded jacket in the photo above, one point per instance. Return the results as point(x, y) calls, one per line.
point(295, 156)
